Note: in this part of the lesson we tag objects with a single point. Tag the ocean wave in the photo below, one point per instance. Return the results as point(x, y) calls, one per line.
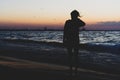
point(87, 46)
point(93, 40)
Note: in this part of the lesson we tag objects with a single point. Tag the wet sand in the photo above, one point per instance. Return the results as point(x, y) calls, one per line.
point(41, 61)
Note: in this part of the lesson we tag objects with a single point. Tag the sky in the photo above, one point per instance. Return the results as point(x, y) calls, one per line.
point(98, 14)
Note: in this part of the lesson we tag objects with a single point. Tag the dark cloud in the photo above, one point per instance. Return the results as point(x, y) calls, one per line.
point(108, 25)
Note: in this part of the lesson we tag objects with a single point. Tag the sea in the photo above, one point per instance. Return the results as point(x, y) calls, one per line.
point(109, 40)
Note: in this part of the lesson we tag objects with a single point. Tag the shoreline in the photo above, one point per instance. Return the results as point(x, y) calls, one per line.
point(50, 54)
point(90, 47)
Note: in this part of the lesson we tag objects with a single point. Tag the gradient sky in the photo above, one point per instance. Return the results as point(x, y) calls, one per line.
point(56, 12)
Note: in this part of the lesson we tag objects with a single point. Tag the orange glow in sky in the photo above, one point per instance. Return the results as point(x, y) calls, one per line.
point(56, 12)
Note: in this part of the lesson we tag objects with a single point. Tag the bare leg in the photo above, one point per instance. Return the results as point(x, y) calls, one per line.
point(76, 59)
point(70, 54)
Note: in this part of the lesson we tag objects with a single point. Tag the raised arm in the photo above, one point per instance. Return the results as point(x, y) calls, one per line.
point(82, 23)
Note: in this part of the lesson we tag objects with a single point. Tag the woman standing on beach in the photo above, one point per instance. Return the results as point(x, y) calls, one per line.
point(71, 38)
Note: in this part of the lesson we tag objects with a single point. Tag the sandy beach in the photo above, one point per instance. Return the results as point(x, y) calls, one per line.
point(48, 61)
